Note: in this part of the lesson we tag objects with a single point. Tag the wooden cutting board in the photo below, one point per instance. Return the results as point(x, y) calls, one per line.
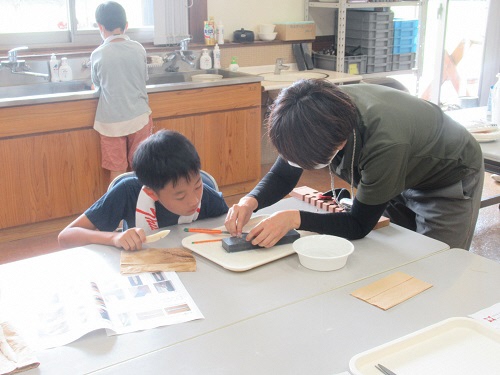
point(155, 260)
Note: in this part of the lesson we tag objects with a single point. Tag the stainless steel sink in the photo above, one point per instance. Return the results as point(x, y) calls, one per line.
point(43, 89)
point(179, 77)
point(50, 92)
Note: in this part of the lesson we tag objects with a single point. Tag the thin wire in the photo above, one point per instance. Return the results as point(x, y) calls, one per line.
point(332, 178)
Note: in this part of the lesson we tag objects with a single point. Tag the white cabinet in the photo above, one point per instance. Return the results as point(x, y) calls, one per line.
point(343, 6)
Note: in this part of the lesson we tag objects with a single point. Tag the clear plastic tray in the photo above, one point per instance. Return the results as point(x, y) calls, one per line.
point(456, 346)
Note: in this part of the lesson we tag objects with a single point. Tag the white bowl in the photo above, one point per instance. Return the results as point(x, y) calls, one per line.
point(323, 252)
point(206, 77)
point(266, 29)
point(267, 36)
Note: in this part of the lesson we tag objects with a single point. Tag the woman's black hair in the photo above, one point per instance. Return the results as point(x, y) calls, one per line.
point(310, 120)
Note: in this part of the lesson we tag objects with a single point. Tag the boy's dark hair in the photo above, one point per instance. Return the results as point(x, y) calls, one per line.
point(164, 157)
point(111, 15)
point(310, 120)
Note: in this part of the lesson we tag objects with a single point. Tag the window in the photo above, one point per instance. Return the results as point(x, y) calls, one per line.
point(73, 21)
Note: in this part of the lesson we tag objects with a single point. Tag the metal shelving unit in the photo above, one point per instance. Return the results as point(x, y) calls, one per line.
point(343, 5)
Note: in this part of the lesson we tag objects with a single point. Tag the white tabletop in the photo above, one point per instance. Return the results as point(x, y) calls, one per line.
point(330, 75)
point(320, 334)
point(225, 298)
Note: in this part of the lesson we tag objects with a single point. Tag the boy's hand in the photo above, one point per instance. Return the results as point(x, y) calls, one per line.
point(239, 214)
point(130, 240)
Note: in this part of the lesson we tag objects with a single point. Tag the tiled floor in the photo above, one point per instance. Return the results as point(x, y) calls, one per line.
point(486, 240)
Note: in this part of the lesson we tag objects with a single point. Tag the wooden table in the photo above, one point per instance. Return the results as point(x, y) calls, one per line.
point(228, 300)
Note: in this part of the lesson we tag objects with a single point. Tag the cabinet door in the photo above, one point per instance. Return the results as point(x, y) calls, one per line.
point(228, 144)
point(55, 175)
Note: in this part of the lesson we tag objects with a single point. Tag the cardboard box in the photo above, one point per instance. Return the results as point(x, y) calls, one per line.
point(305, 30)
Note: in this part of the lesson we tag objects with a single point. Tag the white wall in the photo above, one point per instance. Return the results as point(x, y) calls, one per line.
point(249, 14)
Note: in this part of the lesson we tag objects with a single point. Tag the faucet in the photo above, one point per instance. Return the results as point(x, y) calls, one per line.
point(15, 64)
point(279, 66)
point(185, 54)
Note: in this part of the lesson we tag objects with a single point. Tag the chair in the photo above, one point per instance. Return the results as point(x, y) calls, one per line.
point(206, 177)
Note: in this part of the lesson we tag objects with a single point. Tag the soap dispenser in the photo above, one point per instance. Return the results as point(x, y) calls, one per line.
point(54, 68)
point(233, 67)
point(205, 60)
point(65, 72)
point(217, 57)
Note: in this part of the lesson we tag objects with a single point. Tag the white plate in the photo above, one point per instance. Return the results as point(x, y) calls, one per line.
point(455, 346)
point(486, 137)
point(242, 260)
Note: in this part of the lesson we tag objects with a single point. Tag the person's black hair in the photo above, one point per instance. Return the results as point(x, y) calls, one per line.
point(111, 15)
point(166, 156)
point(310, 120)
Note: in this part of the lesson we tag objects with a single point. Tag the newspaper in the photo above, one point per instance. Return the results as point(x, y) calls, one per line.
point(56, 304)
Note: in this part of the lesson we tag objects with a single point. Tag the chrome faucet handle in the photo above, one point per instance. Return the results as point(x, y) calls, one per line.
point(279, 66)
point(13, 53)
point(184, 43)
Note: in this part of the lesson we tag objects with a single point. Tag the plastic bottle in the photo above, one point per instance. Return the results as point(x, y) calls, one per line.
point(488, 106)
point(233, 67)
point(495, 102)
point(211, 22)
point(54, 68)
point(220, 33)
point(208, 33)
point(217, 57)
point(65, 72)
point(205, 60)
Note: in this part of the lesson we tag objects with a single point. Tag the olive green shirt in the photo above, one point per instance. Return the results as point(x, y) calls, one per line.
point(403, 142)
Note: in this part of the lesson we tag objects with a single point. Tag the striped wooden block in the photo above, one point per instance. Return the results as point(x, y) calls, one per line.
point(310, 195)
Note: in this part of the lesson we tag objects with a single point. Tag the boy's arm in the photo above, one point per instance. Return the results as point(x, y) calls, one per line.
point(82, 232)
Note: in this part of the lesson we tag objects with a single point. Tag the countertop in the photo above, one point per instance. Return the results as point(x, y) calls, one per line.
point(294, 74)
point(263, 73)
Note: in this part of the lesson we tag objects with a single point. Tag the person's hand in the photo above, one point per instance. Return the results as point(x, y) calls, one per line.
point(272, 229)
point(130, 240)
point(239, 214)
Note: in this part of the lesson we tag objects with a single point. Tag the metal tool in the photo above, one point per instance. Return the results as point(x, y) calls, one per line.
point(384, 370)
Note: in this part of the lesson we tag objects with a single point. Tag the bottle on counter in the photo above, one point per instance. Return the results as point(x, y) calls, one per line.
point(495, 102)
point(220, 33)
point(65, 72)
point(233, 67)
point(205, 60)
point(217, 57)
point(54, 68)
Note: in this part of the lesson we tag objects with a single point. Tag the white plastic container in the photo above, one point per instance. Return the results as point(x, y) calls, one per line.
point(233, 67)
point(205, 60)
point(220, 33)
point(495, 102)
point(217, 57)
point(54, 68)
point(65, 72)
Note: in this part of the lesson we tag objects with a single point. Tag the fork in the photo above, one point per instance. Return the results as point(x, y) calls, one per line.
point(384, 370)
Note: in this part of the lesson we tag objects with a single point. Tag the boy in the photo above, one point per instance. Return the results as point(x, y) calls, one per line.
point(167, 190)
point(119, 71)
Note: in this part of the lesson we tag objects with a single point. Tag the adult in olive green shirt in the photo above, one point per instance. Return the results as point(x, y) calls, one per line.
point(407, 159)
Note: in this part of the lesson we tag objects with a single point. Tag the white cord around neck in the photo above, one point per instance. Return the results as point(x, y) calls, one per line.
point(332, 178)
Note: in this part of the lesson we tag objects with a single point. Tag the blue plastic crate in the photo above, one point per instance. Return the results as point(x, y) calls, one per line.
point(400, 23)
point(406, 33)
point(404, 49)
